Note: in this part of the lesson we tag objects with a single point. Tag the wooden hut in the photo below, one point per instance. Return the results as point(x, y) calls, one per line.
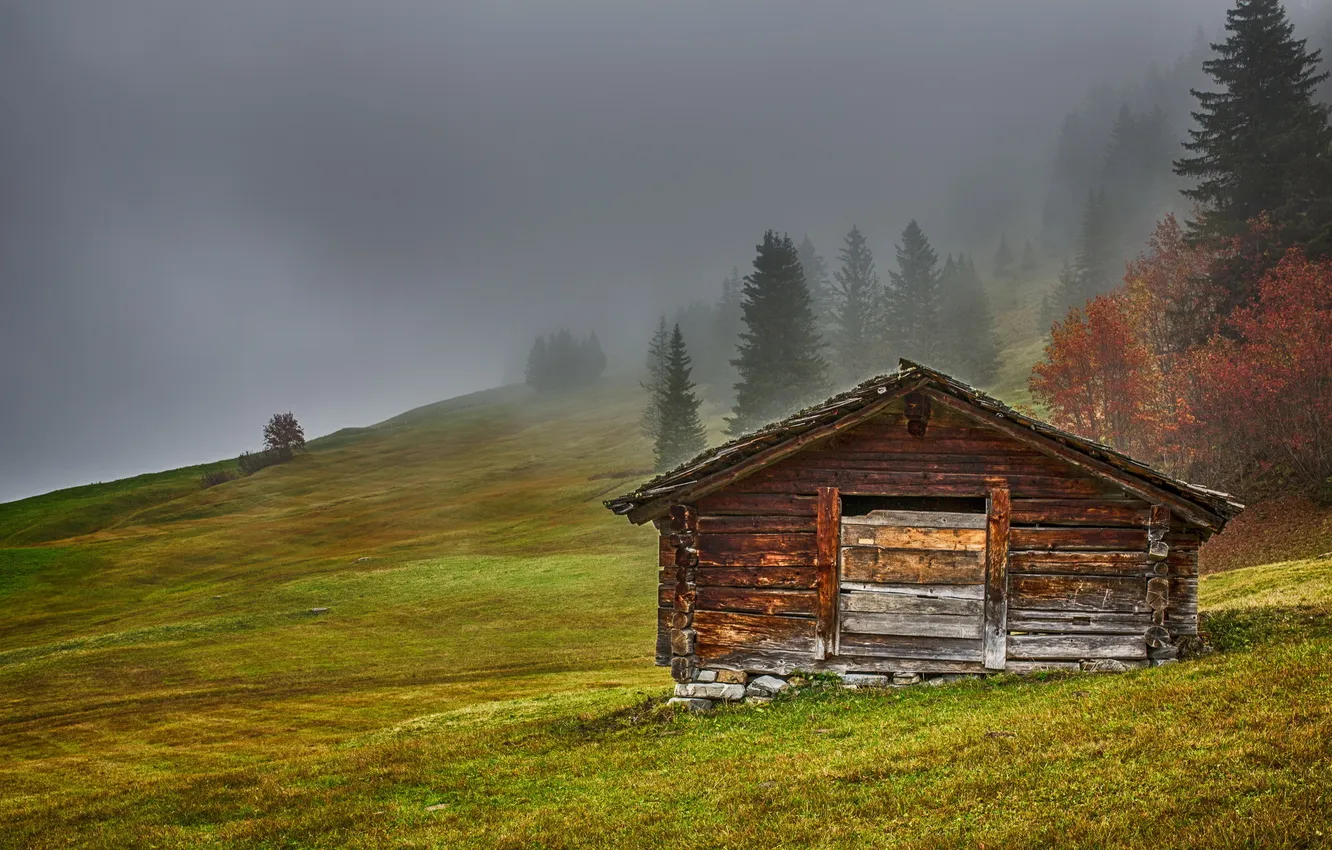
point(914, 526)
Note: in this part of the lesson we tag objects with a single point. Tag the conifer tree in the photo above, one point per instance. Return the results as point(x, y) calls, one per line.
point(1262, 142)
point(1029, 262)
point(538, 360)
point(728, 322)
point(970, 325)
point(1003, 260)
point(779, 360)
point(911, 300)
point(680, 434)
point(855, 337)
point(658, 350)
point(1097, 255)
point(816, 279)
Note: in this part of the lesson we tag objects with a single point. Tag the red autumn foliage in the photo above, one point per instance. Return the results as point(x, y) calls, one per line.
point(1160, 370)
point(1262, 393)
point(1097, 378)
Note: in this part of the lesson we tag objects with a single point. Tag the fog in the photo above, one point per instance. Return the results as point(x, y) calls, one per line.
point(216, 211)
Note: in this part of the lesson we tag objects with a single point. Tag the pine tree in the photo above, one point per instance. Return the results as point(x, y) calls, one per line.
point(1003, 260)
point(911, 300)
point(816, 278)
point(728, 322)
point(1097, 254)
point(538, 361)
point(1068, 293)
point(1262, 142)
point(855, 340)
point(681, 434)
point(658, 350)
point(779, 357)
point(1029, 262)
point(591, 360)
point(968, 324)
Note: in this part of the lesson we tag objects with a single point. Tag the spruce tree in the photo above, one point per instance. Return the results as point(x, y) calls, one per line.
point(1098, 256)
point(1003, 260)
point(779, 356)
point(911, 300)
point(658, 350)
point(855, 338)
point(680, 435)
point(1262, 141)
point(816, 278)
point(538, 365)
point(968, 323)
point(728, 322)
point(1029, 262)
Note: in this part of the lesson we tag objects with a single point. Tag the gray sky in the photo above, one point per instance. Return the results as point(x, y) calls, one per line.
point(213, 211)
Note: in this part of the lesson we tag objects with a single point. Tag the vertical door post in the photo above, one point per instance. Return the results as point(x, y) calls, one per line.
point(829, 532)
point(996, 579)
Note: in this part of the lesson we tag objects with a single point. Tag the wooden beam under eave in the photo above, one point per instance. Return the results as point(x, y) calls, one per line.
point(1101, 469)
point(726, 477)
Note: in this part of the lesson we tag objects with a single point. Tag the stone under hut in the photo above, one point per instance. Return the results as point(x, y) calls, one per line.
point(916, 528)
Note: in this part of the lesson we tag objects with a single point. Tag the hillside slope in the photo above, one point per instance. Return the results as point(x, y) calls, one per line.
point(486, 653)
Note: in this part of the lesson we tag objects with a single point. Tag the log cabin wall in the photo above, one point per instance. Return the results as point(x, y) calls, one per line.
point(1078, 564)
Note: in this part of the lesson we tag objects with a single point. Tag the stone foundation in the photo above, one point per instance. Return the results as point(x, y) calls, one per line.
point(711, 687)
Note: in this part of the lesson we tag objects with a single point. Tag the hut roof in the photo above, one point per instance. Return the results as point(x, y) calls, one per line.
point(726, 463)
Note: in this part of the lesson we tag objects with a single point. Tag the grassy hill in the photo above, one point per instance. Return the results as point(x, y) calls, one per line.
point(483, 678)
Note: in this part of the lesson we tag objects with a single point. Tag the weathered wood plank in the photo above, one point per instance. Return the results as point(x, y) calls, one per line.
point(1020, 620)
point(916, 519)
point(799, 578)
point(786, 663)
point(924, 591)
point(867, 564)
point(828, 523)
point(1024, 667)
point(1082, 462)
point(920, 648)
point(756, 601)
point(727, 503)
point(996, 578)
point(923, 483)
point(912, 625)
point(755, 524)
point(1080, 563)
point(901, 603)
point(666, 594)
point(1078, 593)
point(1075, 647)
point(969, 462)
point(753, 632)
point(1182, 606)
point(907, 537)
point(1079, 539)
point(756, 550)
point(1094, 512)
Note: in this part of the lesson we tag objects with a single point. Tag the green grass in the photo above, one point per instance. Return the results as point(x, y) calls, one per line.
point(487, 651)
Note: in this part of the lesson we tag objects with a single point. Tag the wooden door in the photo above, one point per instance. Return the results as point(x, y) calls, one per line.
point(912, 585)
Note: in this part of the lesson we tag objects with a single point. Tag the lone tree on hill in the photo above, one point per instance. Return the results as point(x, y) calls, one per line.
point(911, 301)
point(680, 433)
point(283, 434)
point(855, 338)
point(1262, 142)
point(779, 359)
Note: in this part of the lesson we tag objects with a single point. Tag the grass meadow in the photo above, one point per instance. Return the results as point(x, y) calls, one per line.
point(483, 677)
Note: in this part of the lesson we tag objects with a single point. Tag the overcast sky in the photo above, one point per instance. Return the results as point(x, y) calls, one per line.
point(213, 211)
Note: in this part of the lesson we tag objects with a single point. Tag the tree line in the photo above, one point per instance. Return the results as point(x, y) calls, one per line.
point(559, 362)
point(788, 333)
point(1213, 357)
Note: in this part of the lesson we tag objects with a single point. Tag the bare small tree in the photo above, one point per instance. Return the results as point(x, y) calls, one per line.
point(283, 434)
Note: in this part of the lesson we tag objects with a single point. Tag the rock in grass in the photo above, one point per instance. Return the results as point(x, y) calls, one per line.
point(1105, 665)
point(865, 680)
point(766, 686)
point(705, 676)
point(318, 610)
point(732, 677)
point(690, 703)
point(710, 690)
